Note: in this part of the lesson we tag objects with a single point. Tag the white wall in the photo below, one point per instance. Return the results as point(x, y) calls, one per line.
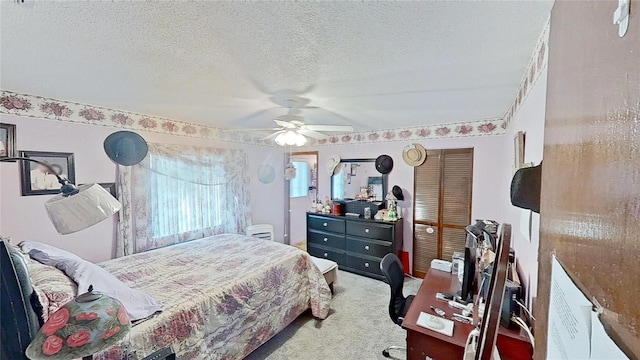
point(487, 168)
point(530, 119)
point(24, 217)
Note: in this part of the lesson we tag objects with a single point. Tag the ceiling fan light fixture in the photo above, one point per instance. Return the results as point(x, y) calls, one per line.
point(290, 138)
point(301, 140)
point(280, 139)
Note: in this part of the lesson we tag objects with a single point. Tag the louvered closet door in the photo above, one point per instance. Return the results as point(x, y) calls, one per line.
point(442, 206)
point(426, 212)
point(456, 199)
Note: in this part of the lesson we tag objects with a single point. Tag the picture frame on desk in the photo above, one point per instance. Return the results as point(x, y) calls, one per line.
point(493, 308)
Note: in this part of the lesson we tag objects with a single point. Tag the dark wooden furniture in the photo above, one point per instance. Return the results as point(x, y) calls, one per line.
point(357, 245)
point(17, 315)
point(422, 342)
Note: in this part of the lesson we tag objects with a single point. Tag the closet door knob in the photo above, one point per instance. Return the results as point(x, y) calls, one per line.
point(366, 230)
point(366, 264)
point(325, 224)
point(325, 254)
point(366, 247)
point(325, 239)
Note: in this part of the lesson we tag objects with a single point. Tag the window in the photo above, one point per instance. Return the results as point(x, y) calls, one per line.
point(183, 204)
point(180, 193)
point(299, 185)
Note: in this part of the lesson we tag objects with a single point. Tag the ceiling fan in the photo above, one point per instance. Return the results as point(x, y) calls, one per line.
point(292, 129)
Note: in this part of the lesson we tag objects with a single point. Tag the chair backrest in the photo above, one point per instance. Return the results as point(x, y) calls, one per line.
point(262, 231)
point(393, 271)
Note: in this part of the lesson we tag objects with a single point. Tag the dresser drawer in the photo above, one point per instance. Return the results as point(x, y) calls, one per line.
point(364, 264)
point(324, 253)
point(326, 239)
point(326, 224)
point(370, 230)
point(369, 247)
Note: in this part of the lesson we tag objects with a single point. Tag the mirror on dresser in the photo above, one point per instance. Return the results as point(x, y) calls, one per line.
point(352, 176)
point(356, 181)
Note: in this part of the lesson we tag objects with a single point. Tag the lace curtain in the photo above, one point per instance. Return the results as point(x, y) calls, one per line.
point(180, 193)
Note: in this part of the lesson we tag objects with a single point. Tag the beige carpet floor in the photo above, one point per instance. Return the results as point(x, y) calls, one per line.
point(358, 326)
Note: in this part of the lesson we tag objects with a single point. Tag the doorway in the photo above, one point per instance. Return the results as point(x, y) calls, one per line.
point(302, 195)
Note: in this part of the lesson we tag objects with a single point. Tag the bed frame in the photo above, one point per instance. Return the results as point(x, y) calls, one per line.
point(20, 314)
point(19, 319)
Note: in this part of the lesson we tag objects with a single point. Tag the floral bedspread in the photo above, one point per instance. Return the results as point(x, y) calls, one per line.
point(223, 296)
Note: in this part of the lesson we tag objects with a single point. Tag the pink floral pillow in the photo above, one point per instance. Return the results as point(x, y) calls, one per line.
point(53, 287)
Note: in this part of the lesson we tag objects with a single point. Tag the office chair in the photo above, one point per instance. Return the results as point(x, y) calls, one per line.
point(393, 271)
point(262, 231)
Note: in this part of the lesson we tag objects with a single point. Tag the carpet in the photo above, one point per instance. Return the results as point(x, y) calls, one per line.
point(358, 325)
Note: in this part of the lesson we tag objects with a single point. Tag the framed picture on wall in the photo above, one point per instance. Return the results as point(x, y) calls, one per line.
point(38, 180)
point(110, 187)
point(518, 145)
point(7, 140)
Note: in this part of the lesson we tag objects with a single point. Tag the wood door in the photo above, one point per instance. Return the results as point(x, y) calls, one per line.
point(590, 195)
point(442, 206)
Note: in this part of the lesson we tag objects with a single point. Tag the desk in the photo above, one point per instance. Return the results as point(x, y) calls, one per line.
point(422, 342)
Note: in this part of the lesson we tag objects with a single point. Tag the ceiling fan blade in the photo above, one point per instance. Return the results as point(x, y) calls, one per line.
point(255, 117)
point(285, 124)
point(272, 136)
point(313, 134)
point(330, 128)
point(246, 130)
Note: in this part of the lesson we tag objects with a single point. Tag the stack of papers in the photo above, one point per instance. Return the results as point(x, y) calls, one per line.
point(437, 324)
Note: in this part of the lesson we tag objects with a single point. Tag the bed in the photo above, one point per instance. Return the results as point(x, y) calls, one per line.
point(223, 296)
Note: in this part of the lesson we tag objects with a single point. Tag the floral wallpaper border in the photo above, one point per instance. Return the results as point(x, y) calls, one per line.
point(46, 108)
point(537, 64)
point(442, 131)
point(25, 105)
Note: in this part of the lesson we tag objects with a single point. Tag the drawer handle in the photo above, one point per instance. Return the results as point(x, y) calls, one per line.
point(325, 254)
point(366, 264)
point(366, 230)
point(325, 239)
point(324, 224)
point(366, 247)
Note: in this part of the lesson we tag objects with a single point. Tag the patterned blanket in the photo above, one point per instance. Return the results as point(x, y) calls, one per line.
point(223, 296)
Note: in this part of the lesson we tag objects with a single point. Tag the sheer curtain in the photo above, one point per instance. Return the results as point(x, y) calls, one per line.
point(180, 193)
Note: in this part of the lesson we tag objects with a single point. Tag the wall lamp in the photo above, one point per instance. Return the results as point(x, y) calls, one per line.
point(76, 208)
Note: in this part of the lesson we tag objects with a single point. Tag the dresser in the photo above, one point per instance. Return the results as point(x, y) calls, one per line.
point(357, 245)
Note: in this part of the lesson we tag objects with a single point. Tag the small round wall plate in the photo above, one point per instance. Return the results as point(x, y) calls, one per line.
point(266, 174)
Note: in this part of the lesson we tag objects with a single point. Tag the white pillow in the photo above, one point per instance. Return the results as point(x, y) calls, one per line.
point(139, 304)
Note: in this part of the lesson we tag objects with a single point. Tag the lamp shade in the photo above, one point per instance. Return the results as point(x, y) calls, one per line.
point(76, 212)
point(84, 326)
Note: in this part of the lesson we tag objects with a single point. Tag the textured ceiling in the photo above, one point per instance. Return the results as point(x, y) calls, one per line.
point(226, 64)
